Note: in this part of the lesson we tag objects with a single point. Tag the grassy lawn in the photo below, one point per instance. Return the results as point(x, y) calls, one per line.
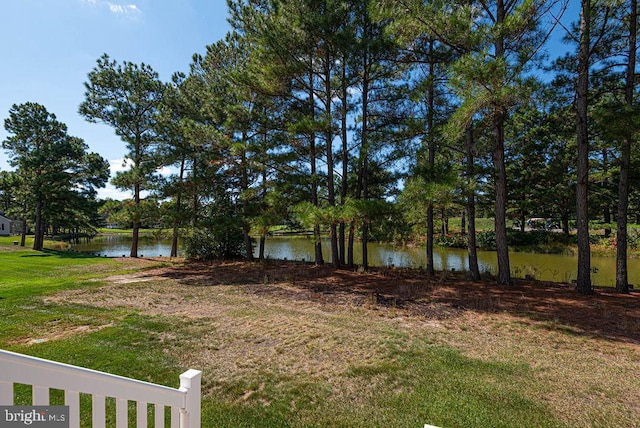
point(271, 358)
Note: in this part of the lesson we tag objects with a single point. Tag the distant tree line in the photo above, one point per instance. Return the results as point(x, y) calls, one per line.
point(378, 120)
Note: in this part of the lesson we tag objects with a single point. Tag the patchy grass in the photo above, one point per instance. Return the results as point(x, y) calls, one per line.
point(293, 345)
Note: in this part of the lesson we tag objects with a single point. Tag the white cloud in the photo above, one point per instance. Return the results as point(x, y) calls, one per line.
point(119, 9)
point(119, 165)
point(110, 192)
point(125, 9)
point(165, 171)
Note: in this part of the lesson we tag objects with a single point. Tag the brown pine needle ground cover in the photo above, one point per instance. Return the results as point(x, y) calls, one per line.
point(324, 341)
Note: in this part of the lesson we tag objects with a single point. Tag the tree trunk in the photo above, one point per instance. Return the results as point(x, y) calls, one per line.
point(319, 260)
point(606, 210)
point(178, 214)
point(430, 234)
point(263, 239)
point(331, 190)
point(365, 246)
point(195, 202)
point(565, 224)
point(345, 158)
point(622, 281)
point(351, 239)
point(365, 224)
point(361, 168)
point(363, 177)
point(432, 157)
point(582, 185)
point(500, 171)
point(23, 227)
point(606, 216)
point(471, 206)
point(244, 186)
point(248, 245)
point(38, 239)
point(500, 177)
point(136, 221)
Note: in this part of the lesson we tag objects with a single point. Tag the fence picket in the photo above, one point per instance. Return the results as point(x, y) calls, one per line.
point(141, 415)
point(175, 417)
point(72, 399)
point(40, 395)
point(122, 413)
point(98, 414)
point(6, 393)
point(159, 416)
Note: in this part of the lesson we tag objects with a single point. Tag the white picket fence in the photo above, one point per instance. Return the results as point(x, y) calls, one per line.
point(44, 375)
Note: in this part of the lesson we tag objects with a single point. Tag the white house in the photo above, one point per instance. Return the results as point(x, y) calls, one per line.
point(5, 226)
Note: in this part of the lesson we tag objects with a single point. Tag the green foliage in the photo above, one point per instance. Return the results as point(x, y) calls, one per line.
point(516, 238)
point(55, 179)
point(452, 240)
point(223, 239)
point(486, 239)
point(633, 239)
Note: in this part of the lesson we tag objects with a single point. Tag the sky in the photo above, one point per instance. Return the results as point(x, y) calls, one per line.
point(48, 47)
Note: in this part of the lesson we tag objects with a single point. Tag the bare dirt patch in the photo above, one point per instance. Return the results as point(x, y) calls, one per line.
point(57, 333)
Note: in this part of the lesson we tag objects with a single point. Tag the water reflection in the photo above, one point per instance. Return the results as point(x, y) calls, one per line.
point(546, 267)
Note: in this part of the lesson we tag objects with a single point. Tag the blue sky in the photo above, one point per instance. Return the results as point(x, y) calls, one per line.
point(49, 46)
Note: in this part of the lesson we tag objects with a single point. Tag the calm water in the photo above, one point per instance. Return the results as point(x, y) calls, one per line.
point(549, 267)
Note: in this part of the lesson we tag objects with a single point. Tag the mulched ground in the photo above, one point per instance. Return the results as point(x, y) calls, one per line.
point(605, 314)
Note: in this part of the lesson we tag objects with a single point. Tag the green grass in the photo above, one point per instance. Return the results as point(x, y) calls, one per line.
point(483, 223)
point(27, 273)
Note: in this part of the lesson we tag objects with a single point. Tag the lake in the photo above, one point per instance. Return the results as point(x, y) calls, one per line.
point(547, 267)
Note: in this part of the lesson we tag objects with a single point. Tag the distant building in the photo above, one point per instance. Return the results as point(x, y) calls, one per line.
point(5, 226)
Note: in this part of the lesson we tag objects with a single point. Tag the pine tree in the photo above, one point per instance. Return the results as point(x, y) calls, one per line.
point(127, 97)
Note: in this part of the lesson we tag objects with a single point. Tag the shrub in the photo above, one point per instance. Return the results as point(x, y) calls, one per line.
point(516, 238)
point(223, 239)
point(486, 239)
point(633, 239)
point(452, 241)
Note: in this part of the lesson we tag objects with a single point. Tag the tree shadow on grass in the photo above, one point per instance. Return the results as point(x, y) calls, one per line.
point(606, 314)
point(61, 254)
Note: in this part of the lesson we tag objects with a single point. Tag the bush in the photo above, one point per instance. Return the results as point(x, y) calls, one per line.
point(633, 239)
point(535, 238)
point(486, 239)
point(223, 239)
point(452, 241)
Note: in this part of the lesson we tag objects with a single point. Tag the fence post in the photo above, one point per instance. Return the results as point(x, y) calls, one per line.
point(190, 383)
